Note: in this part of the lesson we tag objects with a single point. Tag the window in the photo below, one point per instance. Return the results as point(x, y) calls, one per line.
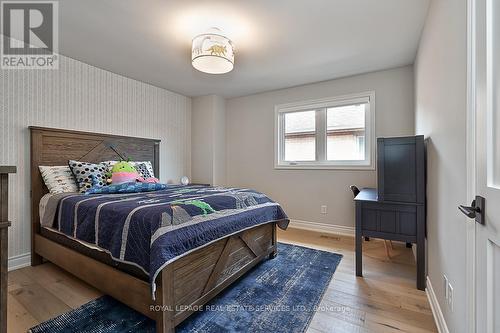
point(300, 136)
point(345, 133)
point(332, 133)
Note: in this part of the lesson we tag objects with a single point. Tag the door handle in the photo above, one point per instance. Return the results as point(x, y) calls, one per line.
point(470, 211)
point(475, 210)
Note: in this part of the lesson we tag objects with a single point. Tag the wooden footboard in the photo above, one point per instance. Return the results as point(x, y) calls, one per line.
point(197, 278)
point(183, 285)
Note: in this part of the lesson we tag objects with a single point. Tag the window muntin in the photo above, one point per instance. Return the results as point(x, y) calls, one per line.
point(333, 133)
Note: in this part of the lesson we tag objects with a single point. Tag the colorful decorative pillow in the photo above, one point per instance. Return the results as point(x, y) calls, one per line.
point(109, 165)
point(146, 165)
point(84, 172)
point(149, 166)
point(132, 187)
point(58, 179)
point(143, 170)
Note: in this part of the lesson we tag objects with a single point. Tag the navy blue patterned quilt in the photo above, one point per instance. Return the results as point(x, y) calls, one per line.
point(152, 229)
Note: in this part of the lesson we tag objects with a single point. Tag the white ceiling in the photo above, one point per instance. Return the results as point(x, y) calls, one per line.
point(279, 43)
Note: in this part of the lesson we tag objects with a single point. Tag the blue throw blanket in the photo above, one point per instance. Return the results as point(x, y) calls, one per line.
point(152, 229)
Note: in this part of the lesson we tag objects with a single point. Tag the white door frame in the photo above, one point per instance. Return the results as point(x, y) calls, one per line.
point(471, 166)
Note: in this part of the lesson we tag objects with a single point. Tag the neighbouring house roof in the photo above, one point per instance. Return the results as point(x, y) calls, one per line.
point(338, 118)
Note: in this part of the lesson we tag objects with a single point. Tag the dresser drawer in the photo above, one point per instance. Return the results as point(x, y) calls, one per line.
point(389, 219)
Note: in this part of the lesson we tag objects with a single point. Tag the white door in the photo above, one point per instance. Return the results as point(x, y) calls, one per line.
point(486, 84)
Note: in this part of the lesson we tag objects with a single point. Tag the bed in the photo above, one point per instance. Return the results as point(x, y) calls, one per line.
point(168, 291)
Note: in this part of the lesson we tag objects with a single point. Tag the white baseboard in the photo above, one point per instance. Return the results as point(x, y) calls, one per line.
point(436, 309)
point(19, 261)
point(322, 227)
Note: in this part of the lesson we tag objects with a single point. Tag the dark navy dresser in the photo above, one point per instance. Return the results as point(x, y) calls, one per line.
point(396, 209)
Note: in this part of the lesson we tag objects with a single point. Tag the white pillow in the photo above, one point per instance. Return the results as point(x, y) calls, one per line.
point(58, 179)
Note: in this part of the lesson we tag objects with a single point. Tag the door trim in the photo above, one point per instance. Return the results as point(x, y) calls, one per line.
point(471, 166)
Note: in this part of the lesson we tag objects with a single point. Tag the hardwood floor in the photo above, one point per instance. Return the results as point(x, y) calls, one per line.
point(384, 300)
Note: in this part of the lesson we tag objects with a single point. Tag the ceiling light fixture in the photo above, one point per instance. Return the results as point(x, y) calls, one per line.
point(212, 52)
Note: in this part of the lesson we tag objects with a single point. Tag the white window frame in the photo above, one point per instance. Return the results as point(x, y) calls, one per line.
point(321, 162)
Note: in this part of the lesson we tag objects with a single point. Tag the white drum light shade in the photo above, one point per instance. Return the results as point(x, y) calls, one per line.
point(212, 53)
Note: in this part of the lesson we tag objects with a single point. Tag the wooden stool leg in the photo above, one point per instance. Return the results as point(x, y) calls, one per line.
point(387, 252)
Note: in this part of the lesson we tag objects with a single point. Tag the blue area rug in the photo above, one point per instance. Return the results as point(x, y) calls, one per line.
point(279, 295)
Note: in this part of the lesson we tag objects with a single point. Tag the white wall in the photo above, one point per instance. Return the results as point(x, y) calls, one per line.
point(201, 140)
point(80, 96)
point(209, 140)
point(250, 144)
point(219, 140)
point(440, 98)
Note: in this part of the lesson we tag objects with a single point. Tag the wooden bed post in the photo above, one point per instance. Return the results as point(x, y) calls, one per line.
point(274, 253)
point(165, 319)
point(36, 193)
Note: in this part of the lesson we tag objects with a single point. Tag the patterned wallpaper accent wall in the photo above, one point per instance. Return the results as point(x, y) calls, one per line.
point(82, 97)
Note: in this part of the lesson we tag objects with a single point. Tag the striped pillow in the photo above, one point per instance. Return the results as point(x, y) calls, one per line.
point(58, 179)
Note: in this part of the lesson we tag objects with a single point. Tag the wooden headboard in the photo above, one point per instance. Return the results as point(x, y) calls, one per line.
point(50, 146)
